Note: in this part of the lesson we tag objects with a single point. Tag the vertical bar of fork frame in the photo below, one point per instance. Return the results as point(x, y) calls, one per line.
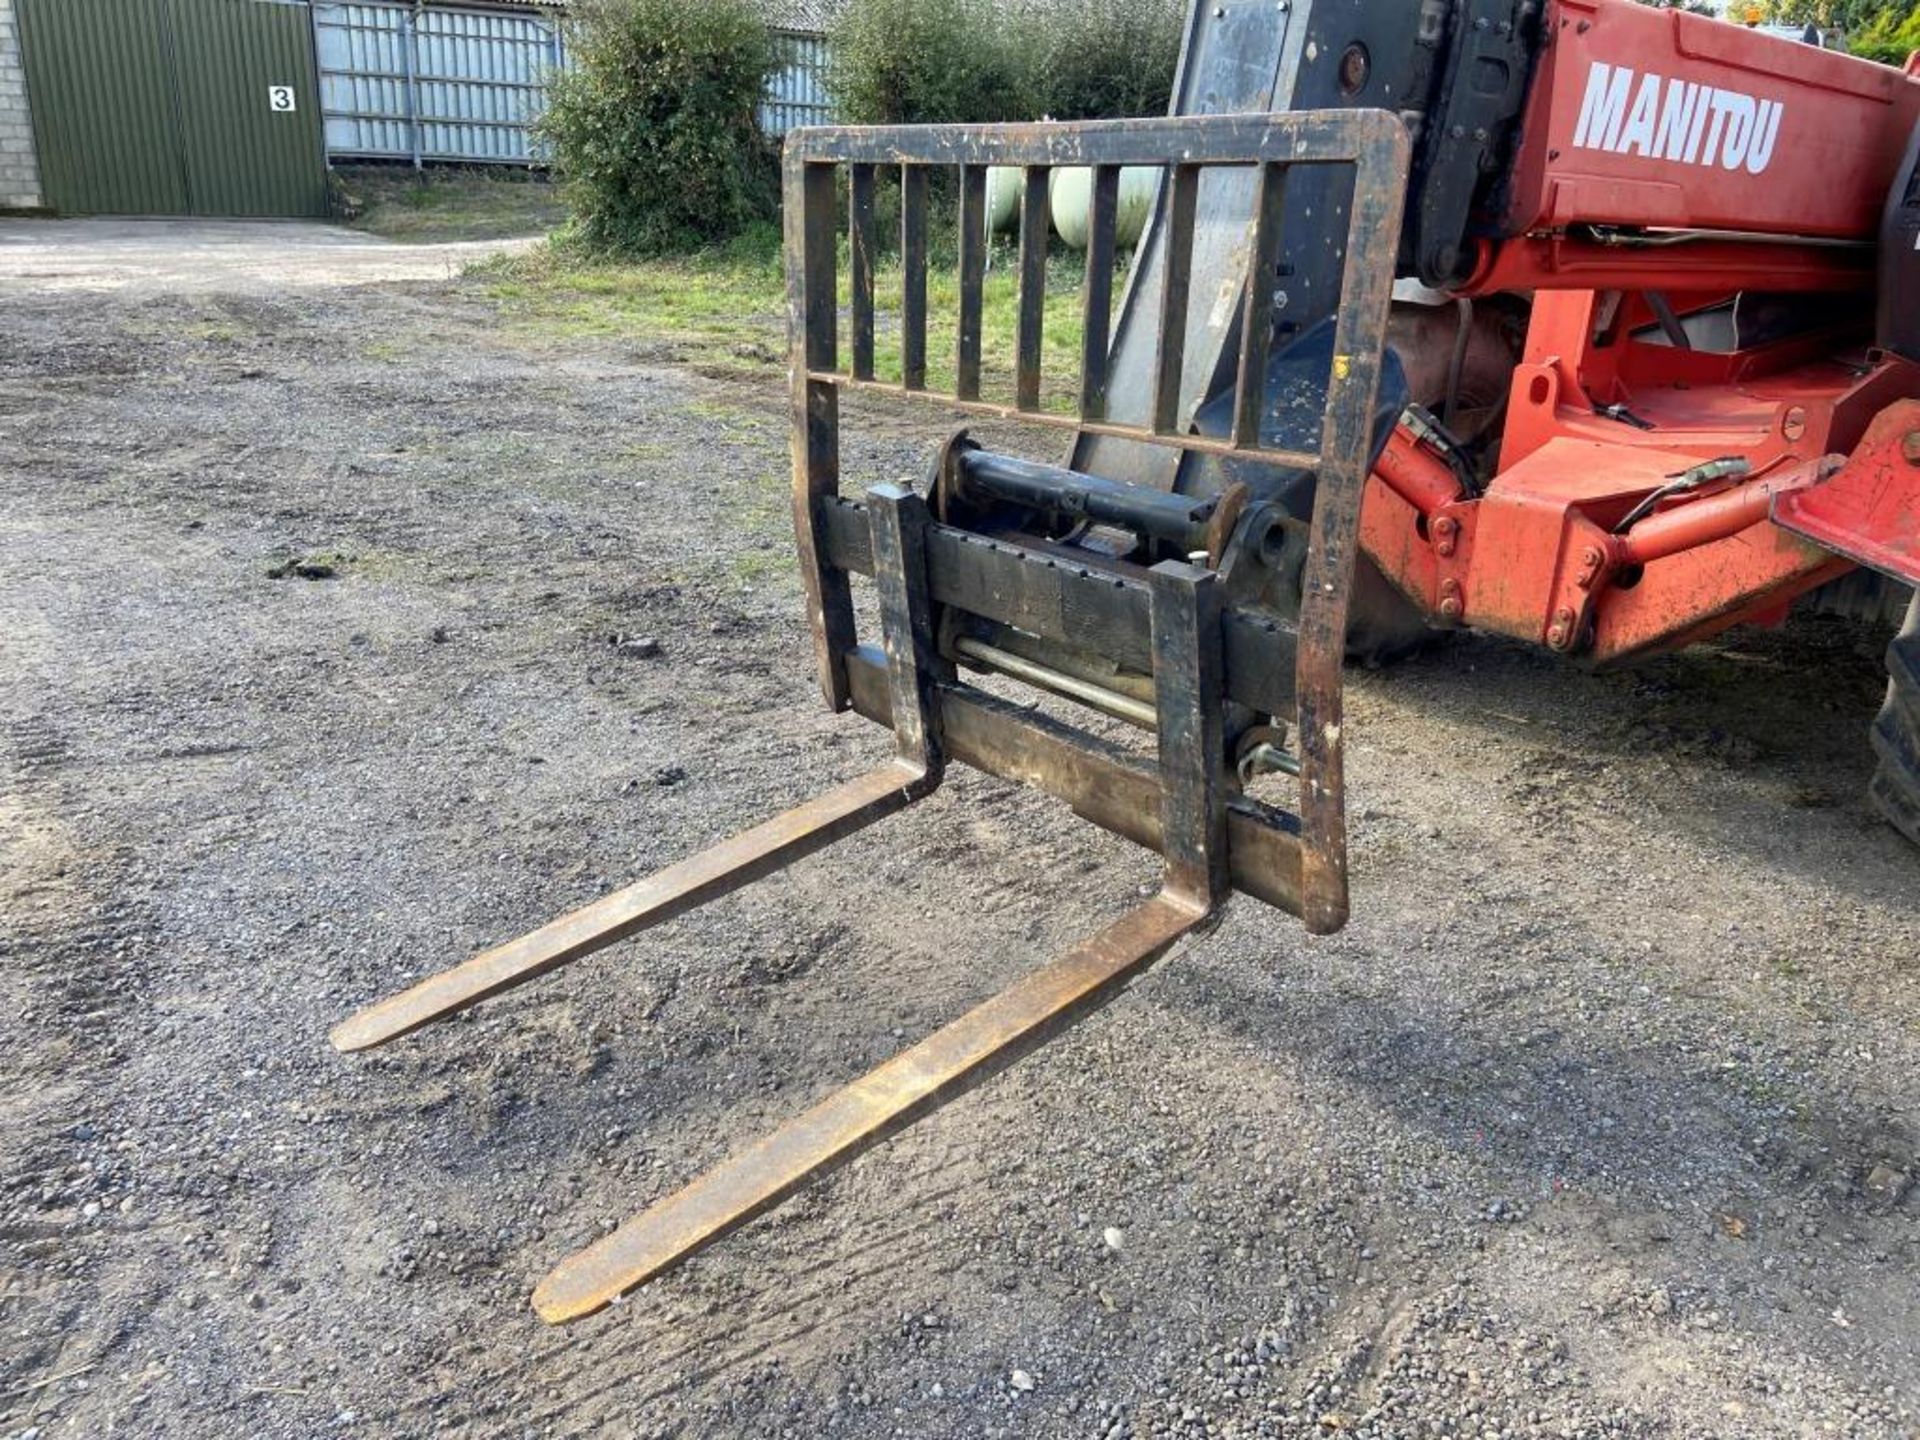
point(1096, 324)
point(1033, 287)
point(812, 315)
point(1192, 730)
point(899, 521)
point(1379, 191)
point(1169, 359)
point(1256, 321)
point(913, 276)
point(860, 266)
point(973, 278)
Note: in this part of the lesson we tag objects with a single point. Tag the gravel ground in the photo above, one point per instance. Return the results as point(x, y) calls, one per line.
point(1597, 1121)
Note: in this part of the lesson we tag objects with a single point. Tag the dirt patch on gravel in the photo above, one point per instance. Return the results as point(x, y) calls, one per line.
point(1596, 1121)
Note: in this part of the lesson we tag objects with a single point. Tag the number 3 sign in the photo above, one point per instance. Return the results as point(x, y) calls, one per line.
point(280, 99)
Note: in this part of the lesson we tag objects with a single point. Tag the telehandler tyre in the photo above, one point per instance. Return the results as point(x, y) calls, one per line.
point(1896, 733)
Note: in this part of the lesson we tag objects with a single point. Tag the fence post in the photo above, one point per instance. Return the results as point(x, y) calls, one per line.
point(546, 89)
point(409, 50)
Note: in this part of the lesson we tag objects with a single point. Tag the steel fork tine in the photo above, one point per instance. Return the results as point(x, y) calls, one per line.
point(982, 1042)
point(660, 897)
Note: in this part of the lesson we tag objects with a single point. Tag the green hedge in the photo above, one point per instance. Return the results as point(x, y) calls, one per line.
point(918, 62)
point(654, 130)
point(1096, 59)
point(909, 62)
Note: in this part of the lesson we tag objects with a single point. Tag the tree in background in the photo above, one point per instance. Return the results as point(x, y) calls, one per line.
point(1885, 30)
point(921, 62)
point(654, 129)
point(906, 62)
point(1094, 59)
point(1889, 37)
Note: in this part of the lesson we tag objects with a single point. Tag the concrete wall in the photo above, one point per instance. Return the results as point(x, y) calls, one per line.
point(19, 170)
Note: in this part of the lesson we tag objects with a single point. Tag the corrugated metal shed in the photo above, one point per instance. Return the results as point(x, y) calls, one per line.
point(465, 81)
point(435, 82)
point(149, 106)
point(797, 89)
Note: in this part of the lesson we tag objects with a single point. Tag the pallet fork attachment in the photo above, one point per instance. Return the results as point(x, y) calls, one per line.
point(1154, 607)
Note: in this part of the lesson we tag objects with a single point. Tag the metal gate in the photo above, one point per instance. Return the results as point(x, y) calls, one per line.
point(174, 107)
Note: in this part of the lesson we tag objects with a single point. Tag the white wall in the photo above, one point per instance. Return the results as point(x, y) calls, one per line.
point(19, 170)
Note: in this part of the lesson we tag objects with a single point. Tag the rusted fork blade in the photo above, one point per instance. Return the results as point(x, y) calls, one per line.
point(979, 1044)
point(658, 898)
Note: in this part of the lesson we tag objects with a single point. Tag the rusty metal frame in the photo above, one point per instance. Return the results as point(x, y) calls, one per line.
point(1372, 145)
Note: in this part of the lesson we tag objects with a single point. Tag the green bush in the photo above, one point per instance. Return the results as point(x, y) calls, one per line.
point(1097, 59)
point(918, 62)
point(911, 62)
point(654, 130)
point(1890, 38)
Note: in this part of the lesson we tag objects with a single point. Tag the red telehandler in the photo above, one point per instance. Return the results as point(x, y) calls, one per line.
point(1575, 320)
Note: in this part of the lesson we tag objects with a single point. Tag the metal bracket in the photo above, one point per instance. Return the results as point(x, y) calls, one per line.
point(1188, 695)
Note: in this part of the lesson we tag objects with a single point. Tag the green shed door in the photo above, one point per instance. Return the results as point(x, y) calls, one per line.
point(249, 108)
point(100, 82)
point(175, 107)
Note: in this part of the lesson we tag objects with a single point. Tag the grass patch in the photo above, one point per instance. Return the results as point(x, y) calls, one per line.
point(711, 308)
point(451, 203)
point(1060, 329)
point(728, 308)
point(754, 568)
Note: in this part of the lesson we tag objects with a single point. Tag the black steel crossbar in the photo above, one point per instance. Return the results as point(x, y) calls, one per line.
point(1035, 591)
point(1296, 137)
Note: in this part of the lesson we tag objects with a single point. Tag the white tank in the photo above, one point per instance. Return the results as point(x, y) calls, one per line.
point(1003, 197)
point(1070, 195)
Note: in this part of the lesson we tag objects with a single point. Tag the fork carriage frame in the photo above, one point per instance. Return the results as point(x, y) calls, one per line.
point(1213, 657)
point(1298, 864)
